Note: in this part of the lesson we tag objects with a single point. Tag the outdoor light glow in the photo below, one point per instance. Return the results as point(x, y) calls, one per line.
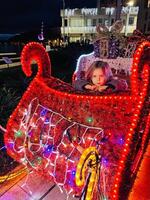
point(130, 3)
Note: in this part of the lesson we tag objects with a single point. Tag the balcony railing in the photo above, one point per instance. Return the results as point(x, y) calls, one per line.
point(90, 29)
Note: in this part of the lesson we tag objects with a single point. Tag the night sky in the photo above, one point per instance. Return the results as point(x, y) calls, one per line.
point(26, 15)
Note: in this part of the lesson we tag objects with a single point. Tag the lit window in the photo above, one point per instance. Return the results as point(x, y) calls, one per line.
point(131, 20)
point(76, 22)
point(89, 22)
point(148, 3)
point(106, 22)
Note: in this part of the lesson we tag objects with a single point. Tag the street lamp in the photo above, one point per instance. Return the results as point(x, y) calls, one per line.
point(129, 5)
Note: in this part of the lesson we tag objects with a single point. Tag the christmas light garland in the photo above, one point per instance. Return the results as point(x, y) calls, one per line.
point(142, 92)
point(43, 149)
point(52, 125)
point(12, 175)
point(90, 158)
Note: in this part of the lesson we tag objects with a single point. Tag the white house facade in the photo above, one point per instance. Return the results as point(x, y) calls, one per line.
point(80, 24)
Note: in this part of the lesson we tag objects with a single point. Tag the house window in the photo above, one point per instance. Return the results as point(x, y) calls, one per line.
point(112, 21)
point(65, 22)
point(76, 22)
point(100, 21)
point(124, 22)
point(131, 20)
point(106, 22)
point(89, 22)
point(94, 22)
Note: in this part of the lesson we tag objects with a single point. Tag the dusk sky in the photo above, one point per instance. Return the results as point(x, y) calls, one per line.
point(26, 15)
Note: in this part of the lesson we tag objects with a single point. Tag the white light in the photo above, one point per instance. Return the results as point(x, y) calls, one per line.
point(130, 3)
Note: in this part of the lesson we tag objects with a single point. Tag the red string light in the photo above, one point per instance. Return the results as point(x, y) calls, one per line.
point(74, 106)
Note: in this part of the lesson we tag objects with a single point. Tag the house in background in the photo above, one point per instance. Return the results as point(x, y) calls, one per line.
point(80, 24)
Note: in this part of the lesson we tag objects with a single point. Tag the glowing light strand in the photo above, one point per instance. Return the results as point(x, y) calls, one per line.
point(30, 123)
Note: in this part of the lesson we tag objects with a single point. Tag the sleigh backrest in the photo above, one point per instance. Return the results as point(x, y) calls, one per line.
point(117, 65)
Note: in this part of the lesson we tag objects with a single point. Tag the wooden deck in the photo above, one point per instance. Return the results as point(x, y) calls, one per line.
point(36, 187)
point(31, 187)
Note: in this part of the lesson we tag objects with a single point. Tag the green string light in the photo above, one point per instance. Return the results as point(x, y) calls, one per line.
point(89, 119)
point(18, 134)
point(39, 159)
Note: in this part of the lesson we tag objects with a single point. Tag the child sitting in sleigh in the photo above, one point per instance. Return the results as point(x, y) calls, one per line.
point(99, 78)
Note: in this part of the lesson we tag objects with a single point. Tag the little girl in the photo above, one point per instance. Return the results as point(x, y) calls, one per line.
point(99, 77)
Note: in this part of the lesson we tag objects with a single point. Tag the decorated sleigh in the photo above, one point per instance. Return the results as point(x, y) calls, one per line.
point(90, 146)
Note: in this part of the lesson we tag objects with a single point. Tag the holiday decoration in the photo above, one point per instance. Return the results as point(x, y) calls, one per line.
point(41, 35)
point(90, 146)
point(90, 157)
point(107, 41)
point(12, 175)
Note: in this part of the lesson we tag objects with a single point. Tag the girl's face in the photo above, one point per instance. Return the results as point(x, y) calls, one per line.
point(98, 77)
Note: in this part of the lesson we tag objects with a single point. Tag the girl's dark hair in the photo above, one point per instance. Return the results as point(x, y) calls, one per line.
point(99, 64)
